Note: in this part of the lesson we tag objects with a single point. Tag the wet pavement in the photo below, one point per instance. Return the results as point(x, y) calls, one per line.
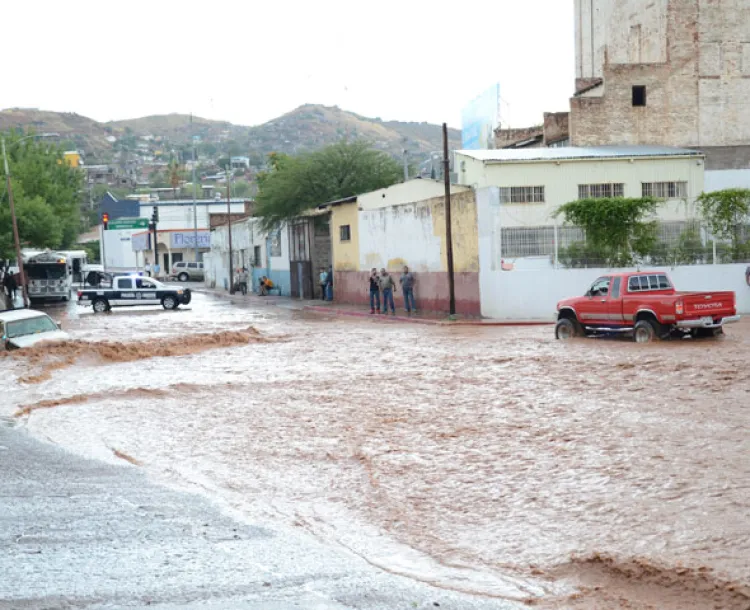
point(492, 462)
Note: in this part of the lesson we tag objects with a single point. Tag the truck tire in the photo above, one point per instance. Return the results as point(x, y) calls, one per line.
point(567, 329)
point(183, 277)
point(100, 305)
point(645, 332)
point(169, 302)
point(187, 297)
point(708, 332)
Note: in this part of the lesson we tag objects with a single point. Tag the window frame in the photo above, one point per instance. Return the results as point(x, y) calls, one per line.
point(645, 285)
point(523, 194)
point(589, 191)
point(345, 233)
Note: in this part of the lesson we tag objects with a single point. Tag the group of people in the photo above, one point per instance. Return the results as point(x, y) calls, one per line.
point(243, 281)
point(384, 284)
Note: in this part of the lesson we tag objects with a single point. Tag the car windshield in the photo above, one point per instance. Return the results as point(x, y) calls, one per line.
point(30, 326)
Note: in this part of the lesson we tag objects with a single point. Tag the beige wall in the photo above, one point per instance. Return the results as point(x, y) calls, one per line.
point(345, 253)
point(405, 192)
point(561, 183)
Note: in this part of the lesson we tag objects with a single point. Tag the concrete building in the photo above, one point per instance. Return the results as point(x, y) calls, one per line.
point(263, 253)
point(405, 225)
point(664, 72)
point(553, 132)
point(534, 182)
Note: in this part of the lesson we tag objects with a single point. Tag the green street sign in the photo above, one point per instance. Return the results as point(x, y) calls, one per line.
point(121, 224)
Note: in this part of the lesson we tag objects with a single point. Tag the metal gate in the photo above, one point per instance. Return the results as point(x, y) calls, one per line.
point(300, 263)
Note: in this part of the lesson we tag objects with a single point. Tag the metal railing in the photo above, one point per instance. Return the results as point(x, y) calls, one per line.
point(675, 243)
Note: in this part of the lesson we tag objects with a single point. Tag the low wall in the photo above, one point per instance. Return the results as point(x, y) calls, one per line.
point(532, 292)
point(430, 290)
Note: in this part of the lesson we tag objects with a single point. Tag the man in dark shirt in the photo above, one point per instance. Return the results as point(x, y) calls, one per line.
point(374, 291)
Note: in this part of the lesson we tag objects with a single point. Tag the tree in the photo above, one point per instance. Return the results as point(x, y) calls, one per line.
point(725, 212)
point(617, 229)
point(296, 184)
point(46, 192)
point(174, 176)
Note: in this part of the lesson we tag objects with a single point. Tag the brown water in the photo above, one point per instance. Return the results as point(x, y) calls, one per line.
point(591, 474)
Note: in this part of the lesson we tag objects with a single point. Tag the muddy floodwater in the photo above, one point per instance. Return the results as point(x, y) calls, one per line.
point(497, 461)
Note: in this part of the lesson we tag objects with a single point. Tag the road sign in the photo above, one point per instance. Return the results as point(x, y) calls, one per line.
point(121, 224)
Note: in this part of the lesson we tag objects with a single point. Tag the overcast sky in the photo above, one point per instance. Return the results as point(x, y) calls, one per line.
point(247, 61)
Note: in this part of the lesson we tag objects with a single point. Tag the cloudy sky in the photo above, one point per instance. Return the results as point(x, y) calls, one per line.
point(247, 61)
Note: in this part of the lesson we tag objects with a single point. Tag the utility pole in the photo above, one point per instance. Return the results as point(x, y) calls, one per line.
point(229, 226)
point(154, 223)
point(448, 228)
point(195, 203)
point(16, 238)
point(406, 165)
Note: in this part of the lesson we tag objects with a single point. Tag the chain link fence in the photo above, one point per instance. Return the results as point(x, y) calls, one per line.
point(676, 243)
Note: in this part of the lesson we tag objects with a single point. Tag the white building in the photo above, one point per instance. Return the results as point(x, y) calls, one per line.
point(534, 182)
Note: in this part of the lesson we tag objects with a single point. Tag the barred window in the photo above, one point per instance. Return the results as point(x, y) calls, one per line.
point(598, 191)
point(664, 190)
point(522, 194)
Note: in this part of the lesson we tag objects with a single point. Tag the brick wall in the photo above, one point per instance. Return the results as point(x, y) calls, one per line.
point(695, 65)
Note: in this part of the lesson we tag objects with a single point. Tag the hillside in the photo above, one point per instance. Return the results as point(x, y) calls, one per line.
point(76, 131)
point(306, 128)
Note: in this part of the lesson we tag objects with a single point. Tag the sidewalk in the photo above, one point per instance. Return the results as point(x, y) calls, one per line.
point(342, 309)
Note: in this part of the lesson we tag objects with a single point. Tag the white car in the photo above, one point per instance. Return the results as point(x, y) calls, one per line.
point(25, 327)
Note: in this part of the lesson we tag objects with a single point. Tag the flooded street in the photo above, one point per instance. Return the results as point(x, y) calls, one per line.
point(488, 460)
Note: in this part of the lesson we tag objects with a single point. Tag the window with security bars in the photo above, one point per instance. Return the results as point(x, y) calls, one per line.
point(599, 191)
point(522, 194)
point(665, 190)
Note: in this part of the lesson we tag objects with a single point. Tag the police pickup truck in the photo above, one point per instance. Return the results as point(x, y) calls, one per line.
point(131, 290)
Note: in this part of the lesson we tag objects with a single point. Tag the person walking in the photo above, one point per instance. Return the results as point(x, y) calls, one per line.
point(322, 280)
point(242, 279)
point(329, 284)
point(374, 291)
point(387, 287)
point(11, 286)
point(407, 287)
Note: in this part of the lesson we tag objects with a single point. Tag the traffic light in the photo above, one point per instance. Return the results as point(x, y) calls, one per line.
point(155, 215)
point(105, 221)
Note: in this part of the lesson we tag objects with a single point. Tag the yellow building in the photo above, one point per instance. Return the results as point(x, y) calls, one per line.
point(73, 158)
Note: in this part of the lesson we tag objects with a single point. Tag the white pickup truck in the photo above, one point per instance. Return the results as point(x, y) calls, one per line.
point(132, 290)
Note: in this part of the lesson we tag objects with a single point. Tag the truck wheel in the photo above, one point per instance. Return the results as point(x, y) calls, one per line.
point(100, 305)
point(644, 332)
point(183, 277)
point(566, 329)
point(187, 296)
point(169, 302)
point(708, 332)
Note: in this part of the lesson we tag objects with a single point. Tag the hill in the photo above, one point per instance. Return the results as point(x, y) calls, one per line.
point(76, 131)
point(306, 128)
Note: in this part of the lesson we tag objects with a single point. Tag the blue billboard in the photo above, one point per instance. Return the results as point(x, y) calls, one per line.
point(479, 119)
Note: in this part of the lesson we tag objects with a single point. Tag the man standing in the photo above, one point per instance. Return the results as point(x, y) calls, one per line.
point(322, 278)
point(407, 286)
point(329, 284)
point(374, 291)
point(388, 287)
point(10, 284)
point(242, 280)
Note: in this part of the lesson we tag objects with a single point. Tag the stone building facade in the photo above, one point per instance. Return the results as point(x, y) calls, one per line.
point(667, 72)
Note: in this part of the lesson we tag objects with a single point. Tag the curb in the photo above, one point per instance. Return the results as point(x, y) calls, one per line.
point(436, 322)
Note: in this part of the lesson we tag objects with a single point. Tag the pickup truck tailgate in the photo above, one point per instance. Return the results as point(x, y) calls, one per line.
point(714, 304)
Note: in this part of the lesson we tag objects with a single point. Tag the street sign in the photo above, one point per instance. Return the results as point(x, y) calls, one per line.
point(121, 224)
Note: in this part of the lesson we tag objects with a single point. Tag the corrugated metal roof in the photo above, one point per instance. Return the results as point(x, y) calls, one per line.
point(576, 153)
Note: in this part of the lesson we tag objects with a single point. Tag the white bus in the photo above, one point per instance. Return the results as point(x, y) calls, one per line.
point(49, 276)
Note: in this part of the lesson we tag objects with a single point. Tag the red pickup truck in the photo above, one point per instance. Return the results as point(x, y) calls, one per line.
point(646, 305)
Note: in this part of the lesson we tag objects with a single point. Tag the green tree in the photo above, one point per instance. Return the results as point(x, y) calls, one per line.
point(726, 214)
point(617, 229)
point(296, 184)
point(46, 192)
